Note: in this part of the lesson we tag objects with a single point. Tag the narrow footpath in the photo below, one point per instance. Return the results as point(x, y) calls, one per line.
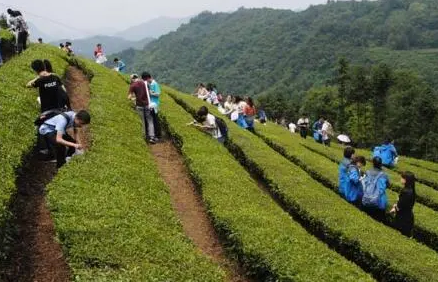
point(35, 255)
point(190, 208)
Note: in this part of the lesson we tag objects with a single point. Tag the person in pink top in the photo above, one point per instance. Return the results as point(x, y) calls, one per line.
point(99, 55)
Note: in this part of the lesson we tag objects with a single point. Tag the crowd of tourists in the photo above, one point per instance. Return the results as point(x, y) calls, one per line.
point(240, 110)
point(322, 129)
point(368, 190)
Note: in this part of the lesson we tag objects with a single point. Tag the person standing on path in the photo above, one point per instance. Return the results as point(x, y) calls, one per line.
point(374, 199)
point(303, 125)
point(155, 92)
point(403, 209)
point(140, 90)
point(51, 92)
point(20, 27)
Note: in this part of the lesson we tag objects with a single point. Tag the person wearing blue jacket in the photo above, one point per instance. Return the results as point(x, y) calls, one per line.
point(376, 176)
point(354, 195)
point(120, 65)
point(387, 152)
point(344, 181)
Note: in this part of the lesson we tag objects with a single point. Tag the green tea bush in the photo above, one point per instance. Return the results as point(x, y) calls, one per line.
point(265, 239)
point(112, 211)
point(18, 110)
point(377, 248)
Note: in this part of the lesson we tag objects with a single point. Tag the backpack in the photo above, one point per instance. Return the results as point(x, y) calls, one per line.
point(223, 128)
point(41, 119)
point(371, 193)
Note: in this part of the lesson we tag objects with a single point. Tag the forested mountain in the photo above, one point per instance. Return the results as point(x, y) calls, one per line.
point(371, 67)
point(253, 51)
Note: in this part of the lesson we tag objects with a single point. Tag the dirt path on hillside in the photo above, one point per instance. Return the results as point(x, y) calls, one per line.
point(35, 254)
point(190, 209)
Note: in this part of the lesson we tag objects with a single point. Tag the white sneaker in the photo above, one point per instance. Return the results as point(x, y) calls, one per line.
point(44, 151)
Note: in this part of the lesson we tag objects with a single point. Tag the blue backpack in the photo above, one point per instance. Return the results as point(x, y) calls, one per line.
point(371, 193)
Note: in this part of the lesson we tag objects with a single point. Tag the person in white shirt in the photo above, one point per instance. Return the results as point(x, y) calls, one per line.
point(327, 132)
point(207, 122)
point(54, 131)
point(241, 105)
point(202, 92)
point(303, 125)
point(292, 127)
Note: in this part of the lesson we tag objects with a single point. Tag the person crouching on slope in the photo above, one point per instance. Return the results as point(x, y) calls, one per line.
point(210, 124)
point(54, 131)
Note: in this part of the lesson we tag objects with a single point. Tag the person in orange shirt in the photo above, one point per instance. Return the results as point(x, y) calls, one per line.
point(249, 113)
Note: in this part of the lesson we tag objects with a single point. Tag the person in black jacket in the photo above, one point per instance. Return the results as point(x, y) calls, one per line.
point(404, 218)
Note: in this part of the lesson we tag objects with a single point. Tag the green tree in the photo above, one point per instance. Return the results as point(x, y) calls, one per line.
point(411, 114)
point(3, 22)
point(321, 101)
point(342, 81)
point(358, 96)
point(380, 82)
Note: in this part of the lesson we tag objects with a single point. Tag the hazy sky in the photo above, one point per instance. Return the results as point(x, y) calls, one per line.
point(107, 15)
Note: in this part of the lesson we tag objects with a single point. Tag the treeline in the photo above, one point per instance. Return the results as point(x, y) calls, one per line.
point(266, 51)
point(370, 103)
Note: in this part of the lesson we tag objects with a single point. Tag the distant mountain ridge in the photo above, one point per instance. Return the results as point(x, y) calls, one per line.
point(268, 51)
point(153, 28)
point(111, 44)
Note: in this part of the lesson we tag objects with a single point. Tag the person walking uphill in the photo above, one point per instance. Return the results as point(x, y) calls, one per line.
point(54, 131)
point(140, 90)
point(404, 218)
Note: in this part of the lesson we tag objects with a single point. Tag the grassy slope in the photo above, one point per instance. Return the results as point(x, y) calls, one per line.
point(325, 212)
point(259, 232)
point(18, 109)
point(116, 224)
point(112, 210)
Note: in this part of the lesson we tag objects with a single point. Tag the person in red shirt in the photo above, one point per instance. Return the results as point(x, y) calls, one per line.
point(140, 91)
point(249, 113)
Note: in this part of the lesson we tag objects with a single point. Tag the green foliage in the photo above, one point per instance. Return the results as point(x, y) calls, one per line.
point(321, 101)
point(326, 172)
point(112, 211)
point(334, 220)
point(265, 239)
point(7, 43)
point(3, 22)
point(254, 51)
point(18, 109)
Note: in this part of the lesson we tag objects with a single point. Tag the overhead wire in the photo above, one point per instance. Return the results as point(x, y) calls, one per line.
point(46, 19)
